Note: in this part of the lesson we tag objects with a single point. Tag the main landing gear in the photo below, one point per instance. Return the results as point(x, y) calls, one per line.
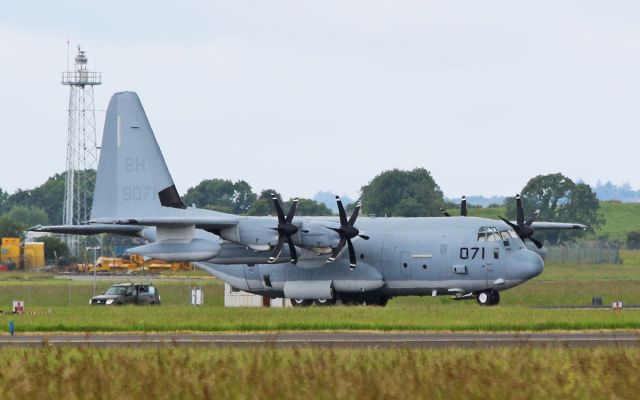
point(379, 301)
point(488, 298)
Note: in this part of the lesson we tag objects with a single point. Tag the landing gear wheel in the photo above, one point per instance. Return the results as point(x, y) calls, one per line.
point(383, 300)
point(380, 301)
point(495, 298)
point(488, 298)
point(324, 302)
point(483, 298)
point(301, 302)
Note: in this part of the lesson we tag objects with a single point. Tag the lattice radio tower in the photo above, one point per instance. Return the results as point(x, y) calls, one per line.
point(82, 149)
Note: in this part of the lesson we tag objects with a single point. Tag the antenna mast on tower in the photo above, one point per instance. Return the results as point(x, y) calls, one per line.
point(82, 149)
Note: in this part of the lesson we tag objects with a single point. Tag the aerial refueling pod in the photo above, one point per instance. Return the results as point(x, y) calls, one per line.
point(194, 250)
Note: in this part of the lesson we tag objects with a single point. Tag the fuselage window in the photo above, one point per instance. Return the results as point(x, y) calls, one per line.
point(496, 253)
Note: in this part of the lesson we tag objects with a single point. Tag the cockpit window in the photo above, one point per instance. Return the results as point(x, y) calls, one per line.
point(489, 234)
point(505, 235)
point(482, 234)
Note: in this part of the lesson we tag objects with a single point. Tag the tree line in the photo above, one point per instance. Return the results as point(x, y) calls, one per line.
point(392, 193)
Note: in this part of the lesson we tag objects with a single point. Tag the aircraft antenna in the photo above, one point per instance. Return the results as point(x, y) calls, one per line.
point(82, 149)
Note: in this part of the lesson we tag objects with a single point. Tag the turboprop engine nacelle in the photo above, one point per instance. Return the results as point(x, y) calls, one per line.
point(262, 237)
point(317, 237)
point(258, 236)
point(175, 251)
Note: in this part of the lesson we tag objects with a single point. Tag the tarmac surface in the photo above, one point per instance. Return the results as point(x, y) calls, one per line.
point(336, 340)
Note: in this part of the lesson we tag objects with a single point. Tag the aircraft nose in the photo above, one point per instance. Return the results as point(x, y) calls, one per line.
point(530, 265)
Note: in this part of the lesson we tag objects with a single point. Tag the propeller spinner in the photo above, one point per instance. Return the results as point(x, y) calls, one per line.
point(285, 230)
point(346, 232)
point(523, 228)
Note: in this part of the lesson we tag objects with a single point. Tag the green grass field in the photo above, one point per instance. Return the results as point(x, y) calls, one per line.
point(63, 306)
point(265, 373)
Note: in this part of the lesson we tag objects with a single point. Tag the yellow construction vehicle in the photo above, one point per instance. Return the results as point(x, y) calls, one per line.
point(15, 254)
point(133, 263)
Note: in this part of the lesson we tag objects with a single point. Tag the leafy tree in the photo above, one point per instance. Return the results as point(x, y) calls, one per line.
point(9, 227)
point(222, 195)
point(263, 204)
point(559, 199)
point(29, 215)
point(402, 193)
point(633, 239)
point(243, 197)
point(3, 199)
point(408, 207)
point(53, 247)
point(50, 195)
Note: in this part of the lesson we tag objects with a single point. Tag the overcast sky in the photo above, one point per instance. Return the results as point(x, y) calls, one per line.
point(307, 96)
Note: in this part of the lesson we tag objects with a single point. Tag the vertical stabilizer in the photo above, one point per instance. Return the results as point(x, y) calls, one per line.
point(132, 178)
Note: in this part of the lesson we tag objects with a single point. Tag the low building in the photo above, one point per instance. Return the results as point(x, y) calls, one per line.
point(237, 298)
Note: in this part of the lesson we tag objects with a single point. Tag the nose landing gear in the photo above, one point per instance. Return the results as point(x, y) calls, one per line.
point(488, 298)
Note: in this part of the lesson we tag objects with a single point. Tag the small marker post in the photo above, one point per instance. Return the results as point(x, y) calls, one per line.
point(11, 327)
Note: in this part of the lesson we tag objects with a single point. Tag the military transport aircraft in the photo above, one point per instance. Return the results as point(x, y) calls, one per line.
point(354, 260)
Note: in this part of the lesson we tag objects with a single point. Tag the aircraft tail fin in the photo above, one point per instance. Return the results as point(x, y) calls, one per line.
point(132, 177)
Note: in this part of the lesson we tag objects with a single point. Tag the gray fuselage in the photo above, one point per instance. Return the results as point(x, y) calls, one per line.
point(404, 256)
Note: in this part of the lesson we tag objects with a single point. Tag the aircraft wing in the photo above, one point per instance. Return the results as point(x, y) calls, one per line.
point(206, 223)
point(547, 226)
point(92, 229)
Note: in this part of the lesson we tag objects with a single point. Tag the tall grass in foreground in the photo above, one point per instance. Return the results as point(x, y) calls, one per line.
point(190, 372)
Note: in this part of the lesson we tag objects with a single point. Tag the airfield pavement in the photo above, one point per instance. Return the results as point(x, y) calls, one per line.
point(337, 340)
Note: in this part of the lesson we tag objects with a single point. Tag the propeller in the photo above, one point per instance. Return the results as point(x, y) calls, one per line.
point(346, 232)
point(463, 208)
point(285, 230)
point(523, 228)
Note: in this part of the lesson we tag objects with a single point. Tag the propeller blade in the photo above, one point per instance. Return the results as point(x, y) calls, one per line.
point(519, 211)
point(463, 206)
point(279, 211)
point(337, 250)
point(276, 251)
point(365, 237)
point(532, 218)
point(343, 214)
point(292, 251)
point(292, 210)
point(444, 212)
point(511, 224)
point(536, 242)
point(355, 214)
point(352, 255)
